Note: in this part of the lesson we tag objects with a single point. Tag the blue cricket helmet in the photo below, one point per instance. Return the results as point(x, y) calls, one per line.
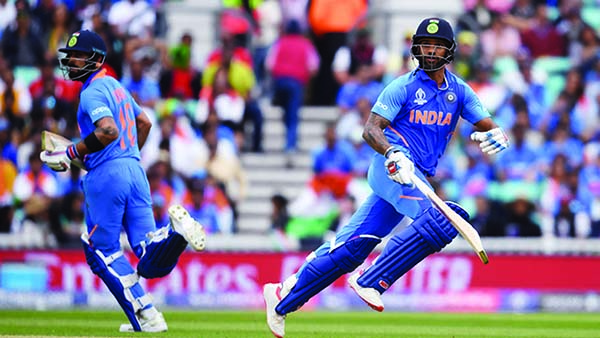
point(436, 28)
point(85, 41)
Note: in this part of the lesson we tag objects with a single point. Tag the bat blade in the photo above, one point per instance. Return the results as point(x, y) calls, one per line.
point(465, 229)
point(50, 141)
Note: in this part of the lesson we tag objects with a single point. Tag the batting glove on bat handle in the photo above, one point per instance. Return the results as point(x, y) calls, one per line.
point(492, 141)
point(399, 167)
point(59, 159)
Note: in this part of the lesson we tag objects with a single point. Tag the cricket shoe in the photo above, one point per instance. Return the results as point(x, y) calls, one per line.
point(150, 320)
point(369, 295)
point(276, 322)
point(186, 226)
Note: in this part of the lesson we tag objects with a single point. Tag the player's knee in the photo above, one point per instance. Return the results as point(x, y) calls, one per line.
point(435, 228)
point(353, 252)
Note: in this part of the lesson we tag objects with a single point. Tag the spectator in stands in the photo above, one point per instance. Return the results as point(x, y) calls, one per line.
point(521, 14)
point(569, 22)
point(43, 13)
point(8, 146)
point(468, 53)
point(15, 100)
point(222, 106)
point(572, 108)
point(8, 14)
point(67, 219)
point(238, 62)
point(521, 162)
point(588, 192)
point(179, 76)
point(269, 24)
point(59, 29)
point(475, 19)
point(144, 89)
point(225, 167)
point(21, 42)
point(115, 44)
point(528, 88)
point(177, 137)
point(519, 219)
point(292, 61)
point(35, 188)
point(541, 37)
point(500, 40)
point(214, 195)
point(555, 199)
point(330, 22)
point(362, 51)
point(584, 51)
point(201, 209)
point(492, 94)
point(362, 85)
point(8, 174)
point(132, 19)
point(279, 214)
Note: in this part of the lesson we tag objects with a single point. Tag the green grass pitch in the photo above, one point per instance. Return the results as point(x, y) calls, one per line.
point(223, 324)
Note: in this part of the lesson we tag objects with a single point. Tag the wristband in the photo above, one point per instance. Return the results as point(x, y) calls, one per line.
point(93, 143)
point(389, 150)
point(72, 152)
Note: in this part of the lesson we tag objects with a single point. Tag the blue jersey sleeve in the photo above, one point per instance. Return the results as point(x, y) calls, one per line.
point(391, 99)
point(473, 110)
point(93, 103)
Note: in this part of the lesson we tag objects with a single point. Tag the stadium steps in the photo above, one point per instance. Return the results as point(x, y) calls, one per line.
point(268, 172)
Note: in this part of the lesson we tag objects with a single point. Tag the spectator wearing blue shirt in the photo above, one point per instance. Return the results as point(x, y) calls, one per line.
point(144, 89)
point(364, 85)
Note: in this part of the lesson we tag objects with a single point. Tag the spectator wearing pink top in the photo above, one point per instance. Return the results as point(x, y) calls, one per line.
point(292, 61)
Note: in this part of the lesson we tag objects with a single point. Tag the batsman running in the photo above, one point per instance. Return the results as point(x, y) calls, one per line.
point(409, 127)
point(117, 194)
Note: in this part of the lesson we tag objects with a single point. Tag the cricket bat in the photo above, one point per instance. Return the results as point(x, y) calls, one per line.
point(52, 140)
point(465, 229)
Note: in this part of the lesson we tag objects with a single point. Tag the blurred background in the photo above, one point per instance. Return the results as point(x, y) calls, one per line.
point(258, 107)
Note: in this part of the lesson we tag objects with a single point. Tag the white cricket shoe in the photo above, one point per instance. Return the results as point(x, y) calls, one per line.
point(186, 226)
point(371, 296)
point(155, 323)
point(276, 322)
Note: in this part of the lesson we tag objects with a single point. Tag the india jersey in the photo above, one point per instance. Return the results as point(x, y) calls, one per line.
point(103, 96)
point(423, 117)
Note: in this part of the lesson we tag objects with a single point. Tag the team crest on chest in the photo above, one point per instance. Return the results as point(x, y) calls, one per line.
point(450, 97)
point(420, 97)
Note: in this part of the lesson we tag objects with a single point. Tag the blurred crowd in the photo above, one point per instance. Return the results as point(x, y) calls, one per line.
point(534, 64)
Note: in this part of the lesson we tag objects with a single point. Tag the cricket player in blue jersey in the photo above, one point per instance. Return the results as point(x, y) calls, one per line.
point(409, 127)
point(113, 130)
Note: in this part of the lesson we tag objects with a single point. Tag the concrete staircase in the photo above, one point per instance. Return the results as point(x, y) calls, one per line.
point(268, 173)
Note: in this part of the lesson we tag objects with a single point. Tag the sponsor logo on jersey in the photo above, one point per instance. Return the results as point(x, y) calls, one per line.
point(383, 106)
point(420, 97)
point(99, 110)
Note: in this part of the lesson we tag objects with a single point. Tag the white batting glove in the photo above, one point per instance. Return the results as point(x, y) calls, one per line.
point(60, 158)
point(398, 166)
point(492, 141)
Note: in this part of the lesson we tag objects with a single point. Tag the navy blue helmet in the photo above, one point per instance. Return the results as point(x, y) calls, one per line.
point(433, 28)
point(89, 43)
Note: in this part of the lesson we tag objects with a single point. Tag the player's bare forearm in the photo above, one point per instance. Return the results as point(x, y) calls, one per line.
point(143, 125)
point(106, 132)
point(373, 133)
point(485, 124)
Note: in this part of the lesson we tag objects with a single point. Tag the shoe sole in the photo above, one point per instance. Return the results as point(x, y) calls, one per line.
point(354, 285)
point(267, 290)
point(193, 234)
